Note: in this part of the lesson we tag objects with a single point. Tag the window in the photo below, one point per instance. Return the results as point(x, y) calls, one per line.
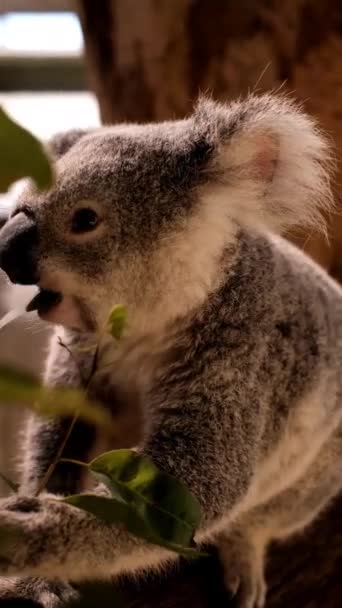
point(40, 49)
point(43, 33)
point(42, 73)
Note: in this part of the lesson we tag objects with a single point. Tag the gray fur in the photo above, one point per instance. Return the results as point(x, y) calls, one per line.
point(233, 353)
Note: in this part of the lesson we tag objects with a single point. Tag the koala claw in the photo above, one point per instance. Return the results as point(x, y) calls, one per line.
point(251, 594)
point(248, 592)
point(243, 572)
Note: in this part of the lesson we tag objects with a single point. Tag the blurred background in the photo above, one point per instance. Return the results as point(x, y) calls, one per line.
point(79, 63)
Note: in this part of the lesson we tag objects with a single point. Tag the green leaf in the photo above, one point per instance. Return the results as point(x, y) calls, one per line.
point(21, 155)
point(21, 388)
point(11, 484)
point(151, 504)
point(117, 321)
point(121, 469)
point(144, 523)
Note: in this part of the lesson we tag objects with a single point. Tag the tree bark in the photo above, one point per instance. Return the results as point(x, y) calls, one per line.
point(148, 60)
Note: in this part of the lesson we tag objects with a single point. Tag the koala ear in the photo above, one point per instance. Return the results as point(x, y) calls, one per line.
point(60, 143)
point(271, 162)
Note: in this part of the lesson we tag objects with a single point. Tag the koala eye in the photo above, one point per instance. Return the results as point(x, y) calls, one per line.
point(84, 220)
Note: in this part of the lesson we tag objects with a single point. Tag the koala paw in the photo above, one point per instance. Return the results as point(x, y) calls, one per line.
point(243, 571)
point(36, 592)
point(248, 588)
point(36, 536)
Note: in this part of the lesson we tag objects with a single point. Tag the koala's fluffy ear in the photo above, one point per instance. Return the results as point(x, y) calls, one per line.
point(60, 143)
point(270, 161)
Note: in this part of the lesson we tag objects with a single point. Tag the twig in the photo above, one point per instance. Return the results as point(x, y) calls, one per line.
point(11, 484)
point(54, 463)
point(52, 466)
point(93, 367)
point(72, 355)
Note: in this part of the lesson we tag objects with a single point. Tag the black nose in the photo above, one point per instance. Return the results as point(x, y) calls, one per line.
point(18, 249)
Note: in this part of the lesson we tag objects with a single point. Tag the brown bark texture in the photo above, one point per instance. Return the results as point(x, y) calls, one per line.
point(149, 60)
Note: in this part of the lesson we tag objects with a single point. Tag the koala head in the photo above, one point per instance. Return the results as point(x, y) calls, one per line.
point(141, 215)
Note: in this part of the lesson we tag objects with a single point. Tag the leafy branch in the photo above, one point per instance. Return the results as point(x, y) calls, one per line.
point(116, 325)
point(149, 503)
point(52, 466)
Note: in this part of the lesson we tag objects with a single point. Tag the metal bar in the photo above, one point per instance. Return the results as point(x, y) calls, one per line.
point(42, 73)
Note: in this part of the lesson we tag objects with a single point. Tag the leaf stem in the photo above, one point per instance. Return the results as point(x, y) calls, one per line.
point(79, 463)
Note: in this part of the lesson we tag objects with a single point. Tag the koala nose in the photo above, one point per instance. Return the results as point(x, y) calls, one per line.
point(18, 249)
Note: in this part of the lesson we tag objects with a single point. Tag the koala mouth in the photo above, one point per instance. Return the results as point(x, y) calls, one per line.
point(61, 309)
point(44, 301)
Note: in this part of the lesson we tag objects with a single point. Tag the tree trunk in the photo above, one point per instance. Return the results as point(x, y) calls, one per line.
point(149, 60)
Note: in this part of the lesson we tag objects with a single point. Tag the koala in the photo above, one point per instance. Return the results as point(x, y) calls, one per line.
point(232, 354)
